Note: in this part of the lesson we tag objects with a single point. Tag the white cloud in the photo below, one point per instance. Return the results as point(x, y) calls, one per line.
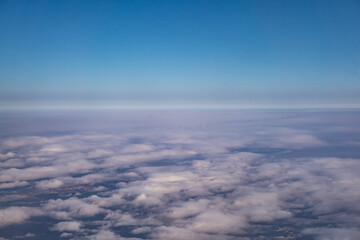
point(104, 234)
point(6, 155)
point(108, 235)
point(176, 233)
point(261, 206)
point(54, 148)
point(215, 222)
point(71, 208)
point(16, 215)
point(13, 184)
point(69, 226)
point(47, 184)
point(189, 183)
point(99, 153)
point(188, 209)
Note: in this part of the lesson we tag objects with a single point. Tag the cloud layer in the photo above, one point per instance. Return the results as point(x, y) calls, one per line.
point(191, 176)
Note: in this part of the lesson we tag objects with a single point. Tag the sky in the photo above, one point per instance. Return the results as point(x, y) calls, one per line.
point(84, 54)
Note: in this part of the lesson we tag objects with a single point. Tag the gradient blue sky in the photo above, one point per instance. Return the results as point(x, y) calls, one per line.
point(167, 53)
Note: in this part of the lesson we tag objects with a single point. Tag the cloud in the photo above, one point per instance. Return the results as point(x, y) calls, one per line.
point(261, 206)
point(28, 235)
point(13, 184)
point(188, 209)
point(288, 138)
point(47, 184)
point(234, 179)
point(6, 155)
point(69, 226)
point(108, 235)
point(99, 153)
point(333, 233)
point(141, 230)
point(119, 218)
point(132, 159)
point(23, 142)
point(16, 215)
point(40, 172)
point(71, 208)
point(175, 233)
point(55, 148)
point(215, 222)
point(137, 148)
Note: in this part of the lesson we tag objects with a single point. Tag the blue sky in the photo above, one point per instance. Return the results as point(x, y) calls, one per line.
point(172, 53)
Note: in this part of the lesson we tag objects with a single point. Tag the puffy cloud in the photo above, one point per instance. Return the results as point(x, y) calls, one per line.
point(261, 207)
point(99, 153)
point(141, 230)
point(47, 184)
point(12, 162)
point(132, 159)
point(6, 155)
point(188, 209)
point(16, 215)
point(119, 218)
point(71, 208)
point(33, 173)
point(55, 148)
point(69, 226)
point(108, 235)
point(213, 221)
point(23, 142)
point(104, 234)
point(175, 233)
point(13, 184)
point(232, 177)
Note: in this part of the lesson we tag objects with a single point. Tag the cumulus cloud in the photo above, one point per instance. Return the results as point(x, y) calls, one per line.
point(99, 153)
point(213, 221)
point(6, 155)
point(232, 177)
point(55, 148)
point(69, 226)
point(188, 209)
point(260, 206)
point(54, 183)
point(13, 184)
point(23, 142)
point(71, 208)
point(16, 215)
point(109, 235)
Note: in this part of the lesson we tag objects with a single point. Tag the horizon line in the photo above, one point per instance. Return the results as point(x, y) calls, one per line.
point(88, 107)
